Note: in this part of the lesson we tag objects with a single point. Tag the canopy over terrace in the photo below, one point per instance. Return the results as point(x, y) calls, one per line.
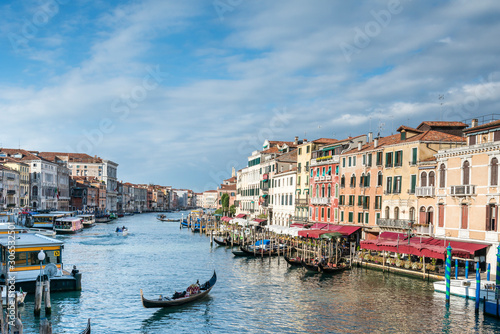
point(278, 229)
point(318, 229)
point(226, 219)
point(420, 246)
point(258, 222)
point(240, 222)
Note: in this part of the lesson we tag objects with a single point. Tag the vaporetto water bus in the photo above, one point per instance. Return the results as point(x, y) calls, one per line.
point(27, 266)
point(46, 220)
point(68, 225)
point(87, 220)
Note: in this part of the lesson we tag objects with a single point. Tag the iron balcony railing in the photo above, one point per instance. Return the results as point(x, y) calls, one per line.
point(425, 191)
point(395, 223)
point(300, 219)
point(465, 190)
point(301, 201)
point(320, 200)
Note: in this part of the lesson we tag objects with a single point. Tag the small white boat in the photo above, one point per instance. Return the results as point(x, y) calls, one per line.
point(467, 288)
point(87, 220)
point(20, 295)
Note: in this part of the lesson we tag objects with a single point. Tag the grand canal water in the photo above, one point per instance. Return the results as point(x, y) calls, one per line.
point(251, 295)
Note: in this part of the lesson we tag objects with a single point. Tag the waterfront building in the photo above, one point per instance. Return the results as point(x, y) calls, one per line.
point(228, 187)
point(361, 183)
point(81, 164)
point(280, 189)
point(252, 181)
point(140, 198)
point(9, 188)
point(283, 196)
point(304, 154)
point(210, 199)
point(24, 178)
point(404, 159)
point(324, 180)
point(468, 191)
point(182, 197)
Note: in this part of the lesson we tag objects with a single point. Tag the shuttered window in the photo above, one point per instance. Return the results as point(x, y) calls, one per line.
point(494, 171)
point(441, 215)
point(465, 216)
point(431, 179)
point(442, 176)
point(472, 140)
point(423, 179)
point(466, 173)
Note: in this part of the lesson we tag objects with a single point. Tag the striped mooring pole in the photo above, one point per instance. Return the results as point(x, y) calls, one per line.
point(488, 272)
point(447, 273)
point(478, 287)
point(456, 268)
point(497, 277)
point(466, 269)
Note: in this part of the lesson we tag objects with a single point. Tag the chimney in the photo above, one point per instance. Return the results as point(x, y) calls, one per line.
point(375, 143)
point(370, 136)
point(296, 141)
point(359, 145)
point(474, 122)
point(305, 140)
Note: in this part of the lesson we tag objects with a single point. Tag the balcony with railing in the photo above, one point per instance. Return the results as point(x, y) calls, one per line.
point(320, 200)
point(300, 219)
point(425, 191)
point(403, 224)
point(465, 190)
point(325, 160)
point(301, 201)
point(11, 192)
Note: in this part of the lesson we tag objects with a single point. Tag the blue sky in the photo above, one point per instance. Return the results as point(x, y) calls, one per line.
point(178, 92)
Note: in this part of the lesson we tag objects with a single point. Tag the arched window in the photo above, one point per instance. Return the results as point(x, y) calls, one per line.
point(342, 181)
point(337, 191)
point(380, 179)
point(396, 213)
point(353, 181)
point(387, 212)
point(442, 176)
point(494, 172)
point(430, 215)
point(412, 214)
point(362, 180)
point(323, 191)
point(466, 172)
point(422, 215)
point(367, 180)
point(423, 179)
point(329, 190)
point(35, 191)
point(431, 179)
point(317, 191)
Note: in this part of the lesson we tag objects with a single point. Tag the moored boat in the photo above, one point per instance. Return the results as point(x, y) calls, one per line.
point(27, 268)
point(46, 220)
point(87, 220)
point(293, 261)
point(68, 225)
point(191, 294)
point(467, 288)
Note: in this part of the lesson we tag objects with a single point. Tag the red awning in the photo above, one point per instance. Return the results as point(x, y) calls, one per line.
point(297, 225)
point(429, 247)
point(259, 220)
point(241, 215)
point(226, 219)
point(319, 226)
point(312, 233)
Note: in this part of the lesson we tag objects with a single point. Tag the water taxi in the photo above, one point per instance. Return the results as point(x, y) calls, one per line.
point(25, 266)
point(68, 225)
point(87, 220)
point(46, 220)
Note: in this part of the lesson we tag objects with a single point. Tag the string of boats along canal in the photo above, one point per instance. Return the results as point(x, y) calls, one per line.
point(251, 295)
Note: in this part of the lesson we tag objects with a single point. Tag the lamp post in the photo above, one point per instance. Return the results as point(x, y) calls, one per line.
point(41, 258)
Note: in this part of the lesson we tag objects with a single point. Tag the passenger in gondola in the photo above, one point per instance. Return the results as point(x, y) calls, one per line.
point(117, 229)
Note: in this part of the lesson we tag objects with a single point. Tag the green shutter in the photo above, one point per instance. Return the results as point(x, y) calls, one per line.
point(413, 183)
point(414, 156)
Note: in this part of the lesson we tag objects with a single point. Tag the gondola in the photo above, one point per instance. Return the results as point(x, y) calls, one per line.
point(311, 267)
point(293, 261)
point(259, 252)
point(222, 242)
point(87, 329)
point(170, 302)
point(334, 270)
point(240, 253)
